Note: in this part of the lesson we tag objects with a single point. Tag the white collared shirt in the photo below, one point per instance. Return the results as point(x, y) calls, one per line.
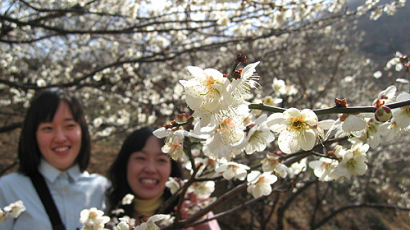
point(72, 192)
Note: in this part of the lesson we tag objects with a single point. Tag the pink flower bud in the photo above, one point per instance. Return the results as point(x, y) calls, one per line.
point(383, 113)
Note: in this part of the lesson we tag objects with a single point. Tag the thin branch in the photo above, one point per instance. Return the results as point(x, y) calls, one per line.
point(285, 206)
point(241, 206)
point(362, 205)
point(270, 214)
point(222, 199)
point(10, 127)
point(333, 110)
point(12, 165)
point(319, 199)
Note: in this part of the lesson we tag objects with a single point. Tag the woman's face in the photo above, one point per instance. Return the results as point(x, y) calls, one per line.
point(59, 141)
point(148, 170)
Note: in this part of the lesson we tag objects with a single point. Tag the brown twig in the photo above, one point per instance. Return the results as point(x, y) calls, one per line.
point(361, 205)
point(333, 110)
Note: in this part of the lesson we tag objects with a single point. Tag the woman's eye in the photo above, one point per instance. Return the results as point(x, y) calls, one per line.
point(46, 128)
point(139, 158)
point(163, 160)
point(71, 125)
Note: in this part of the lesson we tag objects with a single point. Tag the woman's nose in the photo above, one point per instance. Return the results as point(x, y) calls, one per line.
point(149, 167)
point(59, 135)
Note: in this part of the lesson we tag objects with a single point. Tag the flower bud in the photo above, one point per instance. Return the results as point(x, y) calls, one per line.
point(383, 113)
point(183, 118)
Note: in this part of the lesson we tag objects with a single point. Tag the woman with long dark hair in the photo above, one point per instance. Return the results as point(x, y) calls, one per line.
point(53, 152)
point(142, 169)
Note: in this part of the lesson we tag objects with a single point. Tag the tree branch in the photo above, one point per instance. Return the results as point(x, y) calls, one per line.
point(361, 205)
point(333, 110)
point(11, 127)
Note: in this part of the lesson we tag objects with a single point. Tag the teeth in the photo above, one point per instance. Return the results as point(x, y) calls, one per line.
point(61, 149)
point(149, 181)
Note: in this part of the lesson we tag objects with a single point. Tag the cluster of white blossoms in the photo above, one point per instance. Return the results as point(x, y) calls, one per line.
point(346, 163)
point(12, 210)
point(259, 184)
point(153, 223)
point(221, 112)
point(93, 219)
point(226, 128)
point(384, 123)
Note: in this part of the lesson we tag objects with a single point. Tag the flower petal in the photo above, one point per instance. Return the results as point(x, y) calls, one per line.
point(307, 140)
point(288, 142)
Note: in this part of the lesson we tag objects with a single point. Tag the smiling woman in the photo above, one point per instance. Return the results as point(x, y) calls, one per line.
point(142, 169)
point(54, 151)
point(59, 140)
point(148, 170)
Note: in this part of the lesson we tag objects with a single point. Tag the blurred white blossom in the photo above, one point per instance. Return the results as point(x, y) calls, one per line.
point(127, 199)
point(12, 210)
point(93, 219)
point(232, 170)
point(260, 184)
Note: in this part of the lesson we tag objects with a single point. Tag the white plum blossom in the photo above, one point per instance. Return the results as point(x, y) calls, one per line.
point(374, 134)
point(151, 222)
point(174, 145)
point(149, 225)
point(268, 100)
point(324, 125)
point(259, 184)
point(353, 162)
point(271, 163)
point(239, 88)
point(258, 136)
point(377, 74)
point(41, 83)
point(127, 199)
point(402, 81)
point(323, 168)
point(226, 141)
point(337, 6)
point(125, 223)
point(173, 185)
point(174, 141)
point(232, 170)
point(202, 189)
point(205, 89)
point(352, 123)
point(400, 122)
point(163, 219)
point(223, 21)
point(97, 122)
point(122, 226)
point(279, 87)
point(297, 129)
point(12, 210)
point(202, 163)
point(386, 96)
point(297, 167)
point(398, 66)
point(401, 116)
point(93, 219)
